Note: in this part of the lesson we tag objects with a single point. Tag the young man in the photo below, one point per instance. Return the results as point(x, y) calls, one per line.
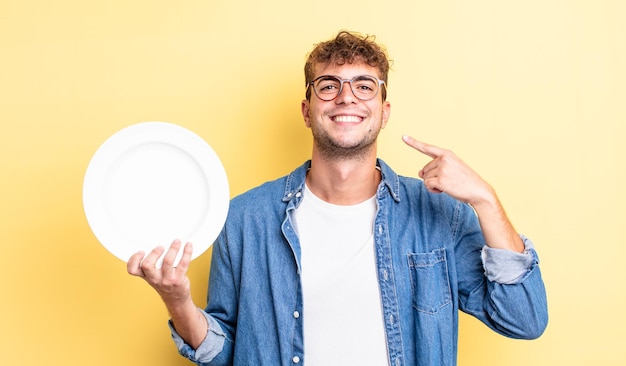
point(349, 263)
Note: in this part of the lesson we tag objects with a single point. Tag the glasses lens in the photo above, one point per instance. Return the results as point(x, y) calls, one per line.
point(327, 87)
point(363, 87)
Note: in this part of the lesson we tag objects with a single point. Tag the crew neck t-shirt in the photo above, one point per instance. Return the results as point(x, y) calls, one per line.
point(343, 321)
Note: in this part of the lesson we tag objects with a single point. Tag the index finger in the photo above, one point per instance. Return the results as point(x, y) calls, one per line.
point(430, 150)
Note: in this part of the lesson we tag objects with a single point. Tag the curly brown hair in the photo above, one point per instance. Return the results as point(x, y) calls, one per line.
point(348, 47)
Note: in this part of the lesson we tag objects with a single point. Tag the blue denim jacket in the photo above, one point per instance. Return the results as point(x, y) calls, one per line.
point(428, 251)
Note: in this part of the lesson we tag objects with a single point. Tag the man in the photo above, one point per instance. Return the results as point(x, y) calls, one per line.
point(348, 263)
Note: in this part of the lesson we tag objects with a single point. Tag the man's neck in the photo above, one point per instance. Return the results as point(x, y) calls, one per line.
point(343, 182)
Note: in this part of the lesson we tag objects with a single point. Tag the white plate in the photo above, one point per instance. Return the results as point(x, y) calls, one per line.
point(151, 183)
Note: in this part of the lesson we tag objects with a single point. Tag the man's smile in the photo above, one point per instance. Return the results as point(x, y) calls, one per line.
point(347, 119)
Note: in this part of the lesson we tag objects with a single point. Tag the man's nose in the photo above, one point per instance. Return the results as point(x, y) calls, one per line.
point(346, 95)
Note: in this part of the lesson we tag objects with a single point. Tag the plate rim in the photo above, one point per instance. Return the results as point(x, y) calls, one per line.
point(157, 131)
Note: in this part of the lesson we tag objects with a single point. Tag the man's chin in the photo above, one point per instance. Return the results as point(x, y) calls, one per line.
point(345, 150)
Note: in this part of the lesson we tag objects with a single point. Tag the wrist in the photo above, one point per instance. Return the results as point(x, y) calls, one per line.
point(184, 308)
point(487, 201)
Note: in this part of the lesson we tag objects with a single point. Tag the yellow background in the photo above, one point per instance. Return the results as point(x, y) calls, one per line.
point(530, 93)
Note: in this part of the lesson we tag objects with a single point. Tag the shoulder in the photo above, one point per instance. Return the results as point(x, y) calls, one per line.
point(258, 196)
point(275, 192)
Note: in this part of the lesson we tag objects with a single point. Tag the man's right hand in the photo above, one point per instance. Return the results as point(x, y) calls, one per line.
point(170, 282)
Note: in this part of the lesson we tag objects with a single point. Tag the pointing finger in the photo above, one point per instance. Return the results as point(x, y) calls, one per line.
point(424, 148)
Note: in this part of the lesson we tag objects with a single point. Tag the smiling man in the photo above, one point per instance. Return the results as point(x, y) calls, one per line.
point(348, 263)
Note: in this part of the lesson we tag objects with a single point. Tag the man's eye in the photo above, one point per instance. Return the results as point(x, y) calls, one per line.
point(328, 87)
point(365, 87)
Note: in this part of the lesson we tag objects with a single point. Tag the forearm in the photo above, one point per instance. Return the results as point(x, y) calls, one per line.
point(495, 225)
point(502, 286)
point(190, 324)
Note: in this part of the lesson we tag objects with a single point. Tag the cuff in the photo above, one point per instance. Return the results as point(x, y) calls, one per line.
point(506, 266)
point(210, 346)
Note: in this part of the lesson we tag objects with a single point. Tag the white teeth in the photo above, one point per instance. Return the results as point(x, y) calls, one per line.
point(347, 119)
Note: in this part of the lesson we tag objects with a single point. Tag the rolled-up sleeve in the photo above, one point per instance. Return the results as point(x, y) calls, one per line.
point(210, 347)
point(506, 266)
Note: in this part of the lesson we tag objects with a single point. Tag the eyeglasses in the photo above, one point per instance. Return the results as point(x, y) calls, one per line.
point(328, 87)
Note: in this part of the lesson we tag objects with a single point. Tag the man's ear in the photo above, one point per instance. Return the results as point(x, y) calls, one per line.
point(386, 113)
point(305, 112)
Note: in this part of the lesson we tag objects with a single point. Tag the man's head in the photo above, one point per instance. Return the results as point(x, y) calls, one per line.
point(348, 48)
point(345, 120)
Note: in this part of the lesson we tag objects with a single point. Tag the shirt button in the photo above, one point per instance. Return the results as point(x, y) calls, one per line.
point(385, 275)
point(298, 194)
point(296, 314)
point(296, 359)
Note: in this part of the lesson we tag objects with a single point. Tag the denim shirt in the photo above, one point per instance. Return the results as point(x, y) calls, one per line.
point(429, 261)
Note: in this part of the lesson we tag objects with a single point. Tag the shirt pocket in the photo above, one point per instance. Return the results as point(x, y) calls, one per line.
point(429, 280)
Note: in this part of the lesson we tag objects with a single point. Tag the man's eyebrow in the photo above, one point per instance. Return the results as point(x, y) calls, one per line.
point(326, 77)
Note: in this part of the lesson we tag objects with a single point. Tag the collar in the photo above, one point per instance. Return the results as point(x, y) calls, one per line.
point(294, 183)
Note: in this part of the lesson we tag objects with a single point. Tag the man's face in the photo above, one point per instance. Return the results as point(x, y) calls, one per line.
point(345, 126)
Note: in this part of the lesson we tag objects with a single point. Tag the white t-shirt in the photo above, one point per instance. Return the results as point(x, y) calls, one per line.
point(343, 321)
